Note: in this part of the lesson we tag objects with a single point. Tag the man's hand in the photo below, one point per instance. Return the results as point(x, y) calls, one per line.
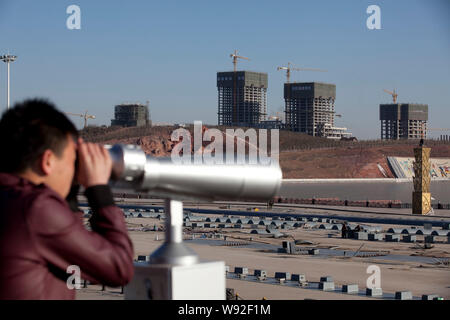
point(94, 164)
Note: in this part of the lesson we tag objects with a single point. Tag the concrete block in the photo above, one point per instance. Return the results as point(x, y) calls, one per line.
point(326, 279)
point(298, 277)
point(374, 292)
point(260, 273)
point(326, 286)
point(313, 251)
point(336, 227)
point(375, 236)
point(392, 238)
point(314, 219)
point(430, 297)
point(409, 238)
point(403, 295)
point(361, 236)
point(283, 275)
point(241, 270)
point(430, 239)
point(143, 258)
point(350, 288)
point(326, 226)
point(197, 225)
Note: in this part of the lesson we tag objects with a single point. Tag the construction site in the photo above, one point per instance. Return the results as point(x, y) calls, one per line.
point(298, 252)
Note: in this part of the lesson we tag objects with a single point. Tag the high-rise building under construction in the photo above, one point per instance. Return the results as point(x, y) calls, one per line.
point(242, 98)
point(131, 115)
point(309, 107)
point(403, 121)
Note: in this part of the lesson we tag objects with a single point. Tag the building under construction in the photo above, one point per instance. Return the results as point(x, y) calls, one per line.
point(242, 98)
point(131, 115)
point(310, 109)
point(403, 121)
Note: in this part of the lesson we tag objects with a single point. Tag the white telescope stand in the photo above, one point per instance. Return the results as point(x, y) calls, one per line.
point(174, 271)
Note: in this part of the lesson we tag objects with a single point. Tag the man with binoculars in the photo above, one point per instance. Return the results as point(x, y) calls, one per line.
point(40, 236)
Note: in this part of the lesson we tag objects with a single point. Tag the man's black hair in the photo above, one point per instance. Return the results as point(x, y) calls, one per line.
point(30, 128)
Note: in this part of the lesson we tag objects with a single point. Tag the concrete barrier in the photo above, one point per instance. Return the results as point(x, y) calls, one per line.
point(361, 236)
point(298, 277)
point(375, 236)
point(197, 225)
point(392, 238)
point(326, 286)
point(430, 297)
point(241, 270)
point(326, 279)
point(409, 238)
point(350, 288)
point(374, 292)
point(260, 273)
point(283, 275)
point(403, 295)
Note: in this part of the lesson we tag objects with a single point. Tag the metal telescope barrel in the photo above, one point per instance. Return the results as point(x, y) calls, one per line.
point(133, 170)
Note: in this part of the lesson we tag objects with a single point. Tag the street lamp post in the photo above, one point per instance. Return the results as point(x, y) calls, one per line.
point(7, 58)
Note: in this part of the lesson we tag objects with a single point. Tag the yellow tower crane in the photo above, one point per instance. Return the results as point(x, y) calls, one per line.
point(290, 67)
point(86, 116)
point(393, 94)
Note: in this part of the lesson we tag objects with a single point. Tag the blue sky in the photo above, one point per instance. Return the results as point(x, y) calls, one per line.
point(168, 52)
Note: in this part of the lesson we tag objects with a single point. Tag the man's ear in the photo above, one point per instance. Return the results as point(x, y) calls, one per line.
point(47, 162)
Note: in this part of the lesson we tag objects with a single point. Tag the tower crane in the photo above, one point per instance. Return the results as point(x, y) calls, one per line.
point(86, 116)
point(290, 67)
point(393, 94)
point(235, 57)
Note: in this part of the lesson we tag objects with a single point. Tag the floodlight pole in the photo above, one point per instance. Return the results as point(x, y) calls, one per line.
point(8, 59)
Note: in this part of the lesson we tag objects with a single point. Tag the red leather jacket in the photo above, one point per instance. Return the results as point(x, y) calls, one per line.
point(40, 237)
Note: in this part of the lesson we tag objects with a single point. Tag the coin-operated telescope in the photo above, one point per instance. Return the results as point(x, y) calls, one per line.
point(174, 271)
